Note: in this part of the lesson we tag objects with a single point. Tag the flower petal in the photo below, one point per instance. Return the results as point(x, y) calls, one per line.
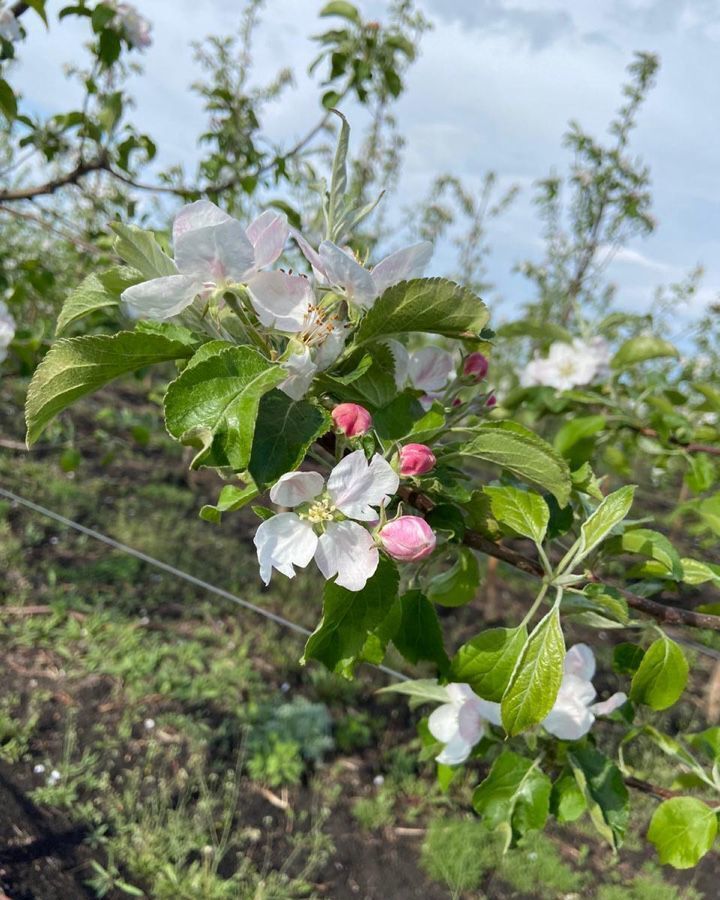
point(348, 550)
point(471, 724)
point(570, 718)
point(331, 347)
point(410, 262)
point(216, 253)
point(489, 711)
point(580, 661)
point(161, 298)
point(431, 368)
point(310, 254)
point(283, 542)
point(343, 270)
point(302, 370)
point(605, 707)
point(280, 300)
point(443, 722)
point(454, 752)
point(458, 692)
point(268, 234)
point(356, 486)
point(295, 488)
point(200, 214)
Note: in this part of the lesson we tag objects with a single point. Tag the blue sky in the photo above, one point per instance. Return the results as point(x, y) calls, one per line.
point(494, 87)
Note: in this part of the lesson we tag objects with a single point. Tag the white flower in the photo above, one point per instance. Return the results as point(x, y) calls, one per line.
point(54, 777)
point(315, 349)
point(9, 27)
point(568, 365)
point(213, 250)
point(460, 723)
point(343, 548)
point(338, 268)
point(136, 27)
point(574, 712)
point(428, 369)
point(7, 330)
point(39, 769)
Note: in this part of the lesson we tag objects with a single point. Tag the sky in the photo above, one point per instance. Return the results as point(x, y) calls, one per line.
point(493, 89)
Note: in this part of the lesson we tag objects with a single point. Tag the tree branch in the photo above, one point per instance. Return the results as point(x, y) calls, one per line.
point(661, 612)
point(653, 789)
point(82, 169)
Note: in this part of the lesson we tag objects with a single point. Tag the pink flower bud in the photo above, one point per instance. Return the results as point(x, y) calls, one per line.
point(352, 419)
point(416, 459)
point(408, 538)
point(491, 401)
point(476, 365)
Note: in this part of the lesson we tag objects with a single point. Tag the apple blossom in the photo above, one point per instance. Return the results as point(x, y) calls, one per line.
point(416, 459)
point(573, 714)
point(9, 26)
point(477, 365)
point(343, 548)
point(213, 250)
point(568, 365)
point(352, 419)
point(460, 723)
point(7, 329)
point(316, 348)
point(135, 27)
point(428, 369)
point(338, 268)
point(408, 538)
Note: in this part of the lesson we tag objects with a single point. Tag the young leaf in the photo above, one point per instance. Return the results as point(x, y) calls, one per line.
point(218, 399)
point(651, 543)
point(285, 430)
point(516, 793)
point(424, 690)
point(141, 250)
point(607, 797)
point(608, 514)
point(641, 348)
point(77, 366)
point(523, 453)
point(419, 636)
point(523, 512)
point(577, 429)
point(431, 305)
point(231, 498)
point(567, 801)
point(96, 292)
point(349, 616)
point(459, 584)
point(682, 829)
point(487, 661)
point(536, 680)
point(661, 676)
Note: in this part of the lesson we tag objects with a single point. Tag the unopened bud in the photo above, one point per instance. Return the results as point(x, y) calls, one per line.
point(352, 419)
point(491, 401)
point(416, 459)
point(408, 538)
point(476, 365)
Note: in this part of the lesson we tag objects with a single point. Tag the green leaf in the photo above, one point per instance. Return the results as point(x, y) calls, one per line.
point(141, 250)
point(598, 604)
point(542, 331)
point(682, 829)
point(604, 788)
point(218, 401)
point(423, 690)
point(231, 498)
point(488, 661)
point(567, 800)
point(431, 305)
point(96, 292)
point(661, 676)
point(419, 636)
point(627, 658)
point(459, 584)
point(641, 348)
point(523, 453)
point(341, 8)
point(398, 418)
point(8, 100)
point(536, 681)
point(349, 616)
point(523, 512)
point(376, 387)
point(647, 542)
point(577, 429)
point(515, 792)
point(285, 430)
point(608, 514)
point(77, 366)
point(696, 572)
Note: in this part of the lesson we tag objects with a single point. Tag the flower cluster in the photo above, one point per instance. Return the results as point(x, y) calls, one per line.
point(7, 330)
point(135, 27)
point(568, 365)
point(462, 722)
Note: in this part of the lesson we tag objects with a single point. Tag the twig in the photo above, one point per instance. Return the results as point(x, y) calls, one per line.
point(670, 615)
point(82, 169)
point(655, 790)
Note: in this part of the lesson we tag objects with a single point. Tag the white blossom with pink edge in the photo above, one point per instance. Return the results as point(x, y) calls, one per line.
point(429, 369)
point(7, 330)
point(9, 25)
point(461, 722)
point(213, 250)
point(340, 548)
point(574, 712)
point(338, 268)
point(136, 27)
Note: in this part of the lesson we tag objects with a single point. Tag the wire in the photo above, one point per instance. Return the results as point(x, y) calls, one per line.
point(171, 570)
